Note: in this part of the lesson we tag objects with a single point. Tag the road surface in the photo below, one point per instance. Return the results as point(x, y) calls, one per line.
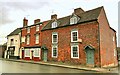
point(18, 67)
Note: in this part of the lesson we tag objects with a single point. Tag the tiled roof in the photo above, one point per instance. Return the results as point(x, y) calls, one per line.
point(84, 17)
point(15, 32)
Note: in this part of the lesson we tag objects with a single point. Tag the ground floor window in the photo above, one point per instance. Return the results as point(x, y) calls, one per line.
point(27, 52)
point(37, 52)
point(74, 51)
point(54, 51)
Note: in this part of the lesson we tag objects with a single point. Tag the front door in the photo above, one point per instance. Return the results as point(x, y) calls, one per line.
point(22, 54)
point(45, 55)
point(90, 57)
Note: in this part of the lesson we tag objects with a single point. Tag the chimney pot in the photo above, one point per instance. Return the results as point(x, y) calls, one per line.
point(54, 16)
point(36, 21)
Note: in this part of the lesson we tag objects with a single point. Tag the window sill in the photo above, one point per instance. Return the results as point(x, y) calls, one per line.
point(54, 56)
point(75, 57)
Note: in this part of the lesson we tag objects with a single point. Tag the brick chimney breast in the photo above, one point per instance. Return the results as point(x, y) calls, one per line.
point(25, 22)
point(78, 11)
point(54, 16)
point(36, 21)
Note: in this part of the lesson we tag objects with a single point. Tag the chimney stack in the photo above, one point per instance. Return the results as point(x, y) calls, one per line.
point(78, 11)
point(54, 16)
point(36, 21)
point(25, 22)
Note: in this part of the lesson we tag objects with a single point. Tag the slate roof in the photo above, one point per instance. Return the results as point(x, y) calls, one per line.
point(87, 16)
point(15, 32)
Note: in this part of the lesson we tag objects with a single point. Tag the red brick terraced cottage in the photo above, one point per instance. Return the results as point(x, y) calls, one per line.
point(84, 37)
point(31, 40)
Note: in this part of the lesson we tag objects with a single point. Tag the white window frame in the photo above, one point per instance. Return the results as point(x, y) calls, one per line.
point(53, 38)
point(72, 51)
point(56, 50)
point(23, 39)
point(73, 20)
point(28, 39)
point(72, 36)
point(28, 29)
point(37, 39)
point(27, 52)
point(37, 27)
point(115, 52)
point(37, 50)
point(113, 38)
point(54, 24)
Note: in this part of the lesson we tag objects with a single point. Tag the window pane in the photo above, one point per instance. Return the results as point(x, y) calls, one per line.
point(54, 38)
point(37, 27)
point(28, 30)
point(74, 34)
point(37, 38)
point(54, 24)
point(28, 39)
point(54, 51)
point(75, 51)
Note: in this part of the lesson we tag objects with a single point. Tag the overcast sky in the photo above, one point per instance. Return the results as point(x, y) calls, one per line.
point(12, 12)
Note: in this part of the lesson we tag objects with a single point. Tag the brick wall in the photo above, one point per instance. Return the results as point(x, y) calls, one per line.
point(107, 45)
point(88, 32)
point(32, 36)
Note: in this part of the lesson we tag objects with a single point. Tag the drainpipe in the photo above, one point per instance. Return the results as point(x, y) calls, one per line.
point(99, 43)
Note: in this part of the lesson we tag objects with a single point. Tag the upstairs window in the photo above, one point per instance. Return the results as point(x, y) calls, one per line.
point(54, 24)
point(28, 30)
point(12, 42)
point(37, 27)
point(28, 39)
point(54, 38)
point(73, 20)
point(23, 39)
point(74, 36)
point(113, 38)
point(37, 38)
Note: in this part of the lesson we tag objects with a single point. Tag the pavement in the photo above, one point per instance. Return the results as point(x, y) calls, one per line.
point(95, 69)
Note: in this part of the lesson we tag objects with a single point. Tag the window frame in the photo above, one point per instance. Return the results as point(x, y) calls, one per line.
point(37, 27)
point(37, 50)
point(53, 38)
point(72, 36)
point(22, 39)
point(72, 51)
point(11, 41)
point(28, 41)
point(113, 38)
point(27, 53)
point(37, 39)
point(115, 52)
point(28, 29)
point(54, 24)
point(56, 51)
point(73, 20)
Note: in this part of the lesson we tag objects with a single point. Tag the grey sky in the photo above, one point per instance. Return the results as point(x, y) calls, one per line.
point(12, 12)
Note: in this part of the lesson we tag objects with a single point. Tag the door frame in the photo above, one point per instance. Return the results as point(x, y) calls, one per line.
point(90, 48)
